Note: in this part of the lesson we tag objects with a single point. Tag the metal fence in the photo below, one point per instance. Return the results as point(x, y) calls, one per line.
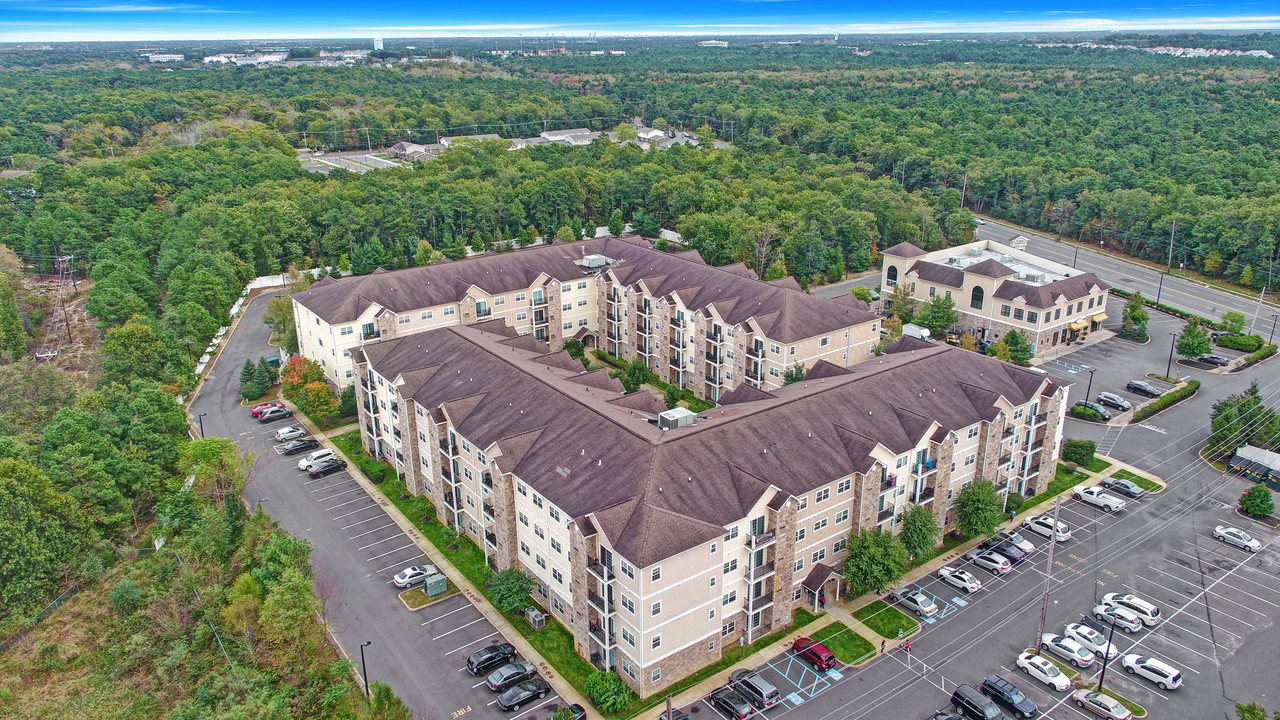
point(58, 602)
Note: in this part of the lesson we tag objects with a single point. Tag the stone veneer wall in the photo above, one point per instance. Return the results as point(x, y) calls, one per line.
point(784, 523)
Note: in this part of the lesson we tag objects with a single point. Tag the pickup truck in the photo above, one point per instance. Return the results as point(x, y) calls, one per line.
point(1099, 497)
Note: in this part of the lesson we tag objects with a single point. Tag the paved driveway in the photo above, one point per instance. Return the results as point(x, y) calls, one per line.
point(357, 550)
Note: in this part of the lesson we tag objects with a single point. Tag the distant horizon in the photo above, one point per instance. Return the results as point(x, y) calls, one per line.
point(50, 21)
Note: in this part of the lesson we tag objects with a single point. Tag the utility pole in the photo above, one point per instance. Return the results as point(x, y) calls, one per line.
point(367, 144)
point(1160, 289)
point(964, 189)
point(1171, 234)
point(1103, 676)
point(1048, 576)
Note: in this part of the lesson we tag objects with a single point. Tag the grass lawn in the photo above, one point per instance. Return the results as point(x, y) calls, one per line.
point(1097, 465)
point(848, 646)
point(1137, 710)
point(886, 621)
point(1136, 479)
point(1062, 480)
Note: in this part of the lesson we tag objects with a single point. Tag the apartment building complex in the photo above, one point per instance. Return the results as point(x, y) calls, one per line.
point(660, 537)
point(705, 328)
point(997, 288)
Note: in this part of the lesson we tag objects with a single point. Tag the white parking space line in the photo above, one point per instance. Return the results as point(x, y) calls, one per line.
point(473, 642)
point(379, 542)
point(335, 507)
point(481, 683)
point(1248, 579)
point(344, 492)
point(361, 522)
point(1245, 592)
point(370, 532)
point(1162, 638)
point(316, 480)
point(402, 547)
point(1179, 595)
point(544, 703)
point(1220, 596)
point(353, 512)
point(460, 627)
point(330, 487)
point(464, 607)
point(402, 562)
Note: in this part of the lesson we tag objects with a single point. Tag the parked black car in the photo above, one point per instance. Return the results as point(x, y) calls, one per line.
point(1119, 486)
point(1214, 360)
point(520, 694)
point(733, 705)
point(755, 688)
point(300, 445)
point(510, 674)
point(1005, 548)
point(325, 467)
point(1141, 387)
point(1008, 694)
point(488, 658)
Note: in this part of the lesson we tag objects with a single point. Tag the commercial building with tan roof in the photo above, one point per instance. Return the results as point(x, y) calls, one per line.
point(997, 288)
point(708, 329)
point(659, 537)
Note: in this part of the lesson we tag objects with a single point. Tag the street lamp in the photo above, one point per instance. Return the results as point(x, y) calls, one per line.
point(200, 419)
point(1159, 289)
point(1169, 368)
point(189, 355)
point(1089, 390)
point(1273, 328)
point(363, 670)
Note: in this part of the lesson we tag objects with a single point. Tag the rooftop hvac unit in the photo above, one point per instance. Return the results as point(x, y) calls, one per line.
point(676, 417)
point(1035, 277)
point(953, 261)
point(594, 261)
point(975, 252)
point(535, 618)
point(1006, 258)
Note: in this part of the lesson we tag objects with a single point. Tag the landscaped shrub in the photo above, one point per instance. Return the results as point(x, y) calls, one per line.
point(1258, 357)
point(1243, 343)
point(1084, 413)
point(126, 597)
point(1079, 452)
point(1257, 501)
point(1167, 399)
point(607, 691)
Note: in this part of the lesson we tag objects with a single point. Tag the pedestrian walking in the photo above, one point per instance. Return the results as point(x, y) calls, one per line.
point(882, 642)
point(822, 601)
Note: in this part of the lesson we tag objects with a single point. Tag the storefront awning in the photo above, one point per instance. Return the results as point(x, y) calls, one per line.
point(1079, 325)
point(1099, 317)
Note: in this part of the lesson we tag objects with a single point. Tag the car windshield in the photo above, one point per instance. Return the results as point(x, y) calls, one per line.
point(1016, 695)
point(1050, 670)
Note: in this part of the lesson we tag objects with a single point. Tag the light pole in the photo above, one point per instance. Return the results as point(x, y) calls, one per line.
point(364, 672)
point(1273, 329)
point(1169, 368)
point(200, 419)
point(1089, 389)
point(1159, 289)
point(1105, 655)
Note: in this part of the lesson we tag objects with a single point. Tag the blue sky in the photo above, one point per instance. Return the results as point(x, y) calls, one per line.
point(60, 20)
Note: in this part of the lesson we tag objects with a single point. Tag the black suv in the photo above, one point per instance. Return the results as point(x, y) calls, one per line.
point(1140, 387)
point(1005, 548)
point(488, 658)
point(301, 445)
point(1007, 694)
point(759, 692)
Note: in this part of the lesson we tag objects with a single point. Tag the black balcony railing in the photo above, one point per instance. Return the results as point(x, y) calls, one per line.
point(601, 571)
point(677, 362)
point(884, 515)
point(711, 378)
point(488, 510)
point(753, 374)
point(923, 496)
point(539, 300)
point(713, 356)
point(371, 335)
point(888, 482)
point(755, 352)
point(487, 480)
point(1038, 444)
point(1008, 433)
point(675, 323)
point(540, 318)
point(763, 570)
point(491, 539)
point(486, 312)
point(1041, 418)
point(601, 637)
point(1005, 460)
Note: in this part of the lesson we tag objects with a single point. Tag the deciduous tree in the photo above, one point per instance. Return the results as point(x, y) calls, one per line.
point(920, 531)
point(978, 508)
point(876, 559)
point(1194, 341)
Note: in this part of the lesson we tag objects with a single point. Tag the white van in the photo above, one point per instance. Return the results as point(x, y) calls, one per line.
point(315, 457)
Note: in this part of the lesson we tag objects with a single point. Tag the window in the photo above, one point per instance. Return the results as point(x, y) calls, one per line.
point(656, 574)
point(582, 285)
point(519, 296)
point(537, 530)
point(346, 330)
point(1017, 314)
point(655, 609)
point(524, 519)
point(566, 288)
point(582, 303)
point(555, 514)
point(820, 525)
point(819, 555)
point(824, 342)
point(842, 516)
point(730, 566)
point(902, 461)
point(1057, 313)
point(500, 301)
point(403, 319)
point(541, 563)
point(822, 495)
point(567, 306)
point(802, 502)
point(773, 372)
point(1090, 303)
point(933, 291)
point(424, 315)
point(711, 581)
point(775, 349)
point(656, 642)
point(628, 638)
point(791, 350)
point(627, 603)
point(630, 671)
point(973, 432)
point(797, 594)
point(582, 322)
point(728, 628)
point(729, 597)
point(348, 373)
point(839, 545)
point(524, 548)
point(449, 311)
point(713, 548)
point(1005, 310)
point(891, 275)
point(466, 472)
point(1033, 317)
point(520, 488)
point(626, 569)
point(711, 645)
point(555, 575)
point(555, 545)
point(466, 447)
point(480, 458)
point(522, 316)
point(347, 353)
point(537, 501)
point(800, 534)
point(799, 565)
point(656, 675)
point(733, 533)
point(844, 485)
point(568, 325)
point(975, 298)
point(970, 459)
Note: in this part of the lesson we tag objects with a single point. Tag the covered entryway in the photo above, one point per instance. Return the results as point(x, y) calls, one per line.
point(822, 585)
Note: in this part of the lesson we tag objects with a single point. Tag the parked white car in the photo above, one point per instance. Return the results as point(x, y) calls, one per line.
point(1164, 675)
point(960, 578)
point(413, 575)
point(1236, 536)
point(1093, 640)
point(1067, 649)
point(1098, 497)
point(1044, 670)
point(1043, 525)
point(1017, 540)
point(314, 458)
point(1119, 617)
point(1148, 613)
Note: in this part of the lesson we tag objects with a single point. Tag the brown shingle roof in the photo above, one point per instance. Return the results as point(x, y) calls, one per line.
point(939, 274)
point(655, 493)
point(1047, 295)
point(991, 268)
point(904, 249)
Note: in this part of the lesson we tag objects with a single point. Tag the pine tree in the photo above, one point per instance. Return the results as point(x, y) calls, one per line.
point(267, 375)
point(13, 338)
point(616, 225)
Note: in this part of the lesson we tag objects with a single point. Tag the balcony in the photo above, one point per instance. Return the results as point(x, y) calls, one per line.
point(600, 604)
point(612, 316)
point(1005, 460)
point(884, 515)
point(753, 373)
point(924, 469)
point(763, 540)
point(714, 337)
point(677, 362)
point(395, 406)
point(448, 448)
point(1032, 470)
point(678, 343)
point(889, 482)
point(613, 335)
point(1008, 433)
point(448, 501)
point(713, 356)
point(366, 335)
point(602, 572)
point(675, 323)
point(922, 496)
point(491, 539)
point(396, 431)
point(1040, 419)
point(642, 308)
point(713, 378)
point(364, 384)
point(446, 475)
point(539, 300)
point(487, 480)
point(1037, 445)
point(540, 318)
point(488, 510)
point(484, 312)
point(606, 639)
point(763, 602)
point(755, 352)
point(762, 571)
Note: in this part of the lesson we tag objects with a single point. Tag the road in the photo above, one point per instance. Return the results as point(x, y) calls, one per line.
point(357, 549)
point(1176, 292)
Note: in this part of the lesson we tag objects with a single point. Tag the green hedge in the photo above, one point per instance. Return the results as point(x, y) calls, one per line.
point(1167, 399)
point(1081, 412)
point(1243, 343)
point(1255, 358)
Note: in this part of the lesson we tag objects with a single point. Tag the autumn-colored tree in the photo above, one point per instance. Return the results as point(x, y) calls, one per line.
point(318, 400)
point(297, 373)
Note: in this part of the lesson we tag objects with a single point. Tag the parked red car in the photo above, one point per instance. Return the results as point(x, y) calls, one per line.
point(815, 653)
point(257, 409)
